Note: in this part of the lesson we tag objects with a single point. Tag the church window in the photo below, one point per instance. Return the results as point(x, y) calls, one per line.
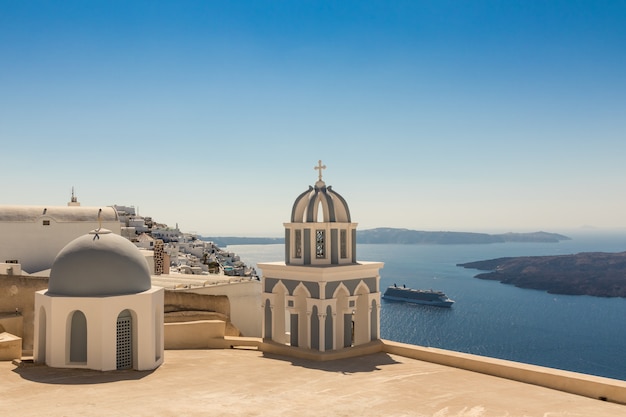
point(46, 222)
point(298, 253)
point(320, 244)
point(78, 337)
point(344, 244)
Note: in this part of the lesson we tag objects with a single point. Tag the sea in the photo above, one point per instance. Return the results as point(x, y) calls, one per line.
point(575, 333)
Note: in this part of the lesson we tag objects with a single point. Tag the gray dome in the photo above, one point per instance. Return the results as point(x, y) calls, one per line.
point(307, 205)
point(100, 263)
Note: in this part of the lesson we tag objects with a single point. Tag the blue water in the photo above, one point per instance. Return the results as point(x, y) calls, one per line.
point(577, 333)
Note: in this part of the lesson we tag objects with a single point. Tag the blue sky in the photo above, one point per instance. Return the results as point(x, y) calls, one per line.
point(430, 115)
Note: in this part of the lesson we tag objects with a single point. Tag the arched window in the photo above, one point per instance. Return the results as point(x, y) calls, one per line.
point(158, 315)
point(320, 244)
point(78, 337)
point(268, 320)
point(41, 343)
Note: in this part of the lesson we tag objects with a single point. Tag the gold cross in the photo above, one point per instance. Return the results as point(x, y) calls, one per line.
point(320, 167)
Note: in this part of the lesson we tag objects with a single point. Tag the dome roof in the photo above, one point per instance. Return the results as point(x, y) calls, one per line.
point(100, 263)
point(307, 205)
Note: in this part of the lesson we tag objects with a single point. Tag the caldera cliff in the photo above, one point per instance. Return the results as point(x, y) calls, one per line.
point(591, 273)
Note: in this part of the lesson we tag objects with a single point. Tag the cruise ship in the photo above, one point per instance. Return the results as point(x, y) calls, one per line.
point(426, 297)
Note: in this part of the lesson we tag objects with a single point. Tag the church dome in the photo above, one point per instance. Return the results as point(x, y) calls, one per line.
point(320, 203)
point(100, 263)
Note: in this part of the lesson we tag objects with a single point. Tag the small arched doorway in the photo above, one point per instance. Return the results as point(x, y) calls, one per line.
point(124, 340)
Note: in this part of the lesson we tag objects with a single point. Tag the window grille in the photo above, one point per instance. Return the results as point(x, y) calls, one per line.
point(320, 244)
point(124, 343)
point(298, 244)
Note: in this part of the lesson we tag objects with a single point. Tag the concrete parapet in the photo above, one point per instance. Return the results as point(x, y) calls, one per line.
point(575, 383)
point(12, 323)
point(10, 347)
point(201, 334)
point(18, 291)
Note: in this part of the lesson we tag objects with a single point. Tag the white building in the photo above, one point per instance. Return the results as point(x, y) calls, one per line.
point(100, 310)
point(139, 223)
point(166, 234)
point(33, 235)
point(321, 297)
point(144, 241)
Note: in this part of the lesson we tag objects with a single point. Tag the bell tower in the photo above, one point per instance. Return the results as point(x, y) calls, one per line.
point(321, 297)
point(320, 231)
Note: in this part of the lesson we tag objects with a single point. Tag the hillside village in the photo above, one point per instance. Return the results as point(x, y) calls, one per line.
point(188, 253)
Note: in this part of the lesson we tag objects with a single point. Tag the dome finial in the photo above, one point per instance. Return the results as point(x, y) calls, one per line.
point(319, 167)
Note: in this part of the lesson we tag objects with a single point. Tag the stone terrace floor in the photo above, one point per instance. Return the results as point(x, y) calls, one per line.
point(249, 383)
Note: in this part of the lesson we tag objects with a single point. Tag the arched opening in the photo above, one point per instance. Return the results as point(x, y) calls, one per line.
point(328, 329)
point(299, 320)
point(319, 213)
point(78, 337)
point(41, 334)
point(268, 319)
point(361, 317)
point(278, 325)
point(343, 331)
point(374, 321)
point(158, 318)
point(124, 340)
point(315, 329)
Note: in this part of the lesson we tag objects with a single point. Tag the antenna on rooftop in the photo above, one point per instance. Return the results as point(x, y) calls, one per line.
point(73, 200)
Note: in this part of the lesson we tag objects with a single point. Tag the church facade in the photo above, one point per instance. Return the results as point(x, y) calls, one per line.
point(321, 297)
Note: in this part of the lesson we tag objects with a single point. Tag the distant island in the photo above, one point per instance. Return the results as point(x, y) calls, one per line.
point(406, 236)
point(388, 235)
point(590, 273)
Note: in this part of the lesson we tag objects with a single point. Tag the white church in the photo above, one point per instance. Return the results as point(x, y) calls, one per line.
point(321, 297)
point(100, 310)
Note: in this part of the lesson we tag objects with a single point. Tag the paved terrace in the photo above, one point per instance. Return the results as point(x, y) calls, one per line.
point(239, 382)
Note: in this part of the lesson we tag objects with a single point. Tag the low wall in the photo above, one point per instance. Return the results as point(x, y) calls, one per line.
point(575, 383)
point(245, 300)
point(12, 323)
point(186, 301)
point(18, 292)
point(10, 347)
point(199, 334)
